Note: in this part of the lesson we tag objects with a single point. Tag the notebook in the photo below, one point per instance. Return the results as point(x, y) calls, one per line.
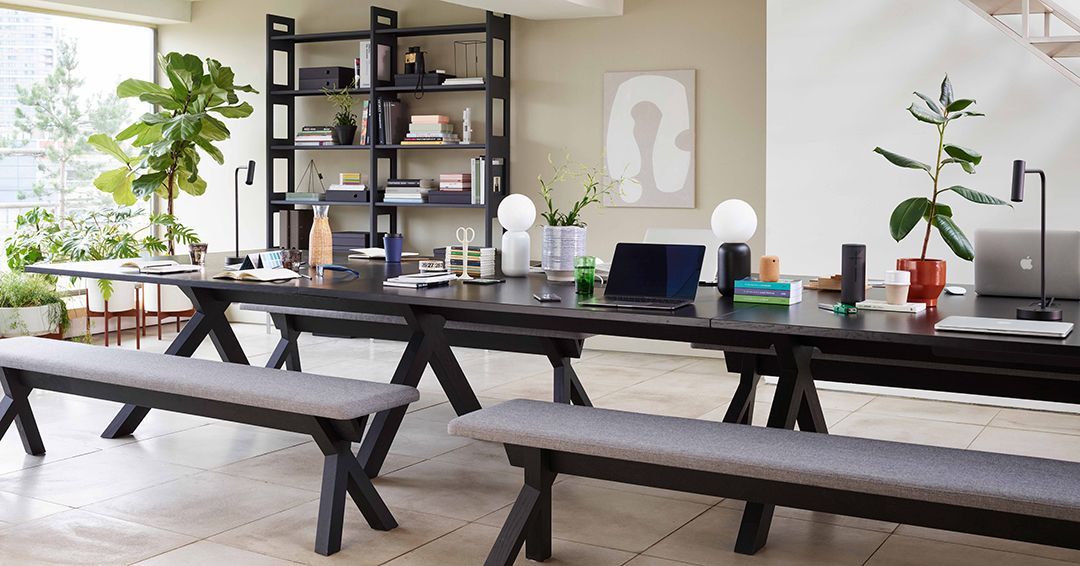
point(265, 275)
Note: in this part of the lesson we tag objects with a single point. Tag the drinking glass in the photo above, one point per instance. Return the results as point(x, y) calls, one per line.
point(197, 253)
point(585, 274)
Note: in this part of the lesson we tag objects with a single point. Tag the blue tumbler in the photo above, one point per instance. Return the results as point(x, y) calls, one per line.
point(393, 243)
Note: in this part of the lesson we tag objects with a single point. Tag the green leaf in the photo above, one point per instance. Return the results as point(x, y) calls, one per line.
point(117, 182)
point(209, 148)
point(151, 118)
point(165, 101)
point(930, 103)
point(967, 166)
point(135, 87)
point(901, 161)
point(148, 136)
point(954, 237)
point(956, 115)
point(960, 104)
point(924, 115)
point(242, 110)
point(214, 129)
point(195, 188)
point(131, 131)
point(939, 209)
point(976, 196)
point(146, 185)
point(106, 144)
point(963, 154)
point(946, 92)
point(182, 127)
point(906, 215)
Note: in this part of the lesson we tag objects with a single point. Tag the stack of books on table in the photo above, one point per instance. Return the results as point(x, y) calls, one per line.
point(314, 136)
point(480, 261)
point(421, 280)
point(430, 129)
point(349, 188)
point(407, 191)
point(460, 81)
point(782, 292)
point(454, 188)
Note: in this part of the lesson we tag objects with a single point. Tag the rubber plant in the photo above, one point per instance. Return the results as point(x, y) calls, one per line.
point(939, 113)
point(168, 143)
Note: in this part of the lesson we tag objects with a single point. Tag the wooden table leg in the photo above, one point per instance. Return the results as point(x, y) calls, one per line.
point(567, 387)
point(208, 320)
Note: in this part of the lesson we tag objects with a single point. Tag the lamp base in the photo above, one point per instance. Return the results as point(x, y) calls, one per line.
point(234, 260)
point(732, 264)
point(1038, 312)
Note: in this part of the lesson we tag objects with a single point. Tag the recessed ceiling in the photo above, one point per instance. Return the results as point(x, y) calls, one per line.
point(548, 9)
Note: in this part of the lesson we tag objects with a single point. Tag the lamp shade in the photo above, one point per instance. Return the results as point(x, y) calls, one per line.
point(734, 221)
point(517, 213)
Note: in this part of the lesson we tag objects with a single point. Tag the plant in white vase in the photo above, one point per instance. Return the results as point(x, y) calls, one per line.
point(564, 234)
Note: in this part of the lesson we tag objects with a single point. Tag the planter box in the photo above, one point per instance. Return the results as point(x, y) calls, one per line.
point(27, 321)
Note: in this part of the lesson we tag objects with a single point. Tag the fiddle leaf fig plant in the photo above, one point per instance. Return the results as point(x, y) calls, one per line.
point(168, 143)
point(940, 113)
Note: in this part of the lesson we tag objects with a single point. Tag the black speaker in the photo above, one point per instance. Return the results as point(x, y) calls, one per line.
point(732, 264)
point(853, 274)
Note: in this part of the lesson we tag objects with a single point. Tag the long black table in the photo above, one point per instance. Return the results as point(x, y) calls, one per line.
point(798, 344)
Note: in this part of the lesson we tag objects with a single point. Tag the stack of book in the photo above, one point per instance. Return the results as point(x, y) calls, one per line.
point(461, 81)
point(420, 280)
point(303, 197)
point(314, 136)
point(407, 191)
point(782, 292)
point(480, 261)
point(430, 129)
point(348, 182)
point(454, 188)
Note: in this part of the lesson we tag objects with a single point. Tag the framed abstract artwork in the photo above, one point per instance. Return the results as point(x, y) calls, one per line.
point(649, 137)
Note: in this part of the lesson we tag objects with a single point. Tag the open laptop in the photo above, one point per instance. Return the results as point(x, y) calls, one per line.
point(690, 236)
point(652, 276)
point(1007, 263)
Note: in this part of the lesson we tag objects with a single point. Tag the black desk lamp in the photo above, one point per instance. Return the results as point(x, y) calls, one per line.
point(236, 203)
point(1042, 310)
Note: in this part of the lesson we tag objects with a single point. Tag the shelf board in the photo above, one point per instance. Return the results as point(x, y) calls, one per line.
point(380, 204)
point(432, 88)
point(324, 36)
point(422, 146)
point(434, 30)
point(312, 92)
point(316, 147)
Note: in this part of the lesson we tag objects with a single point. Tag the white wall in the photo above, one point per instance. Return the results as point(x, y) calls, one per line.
point(839, 77)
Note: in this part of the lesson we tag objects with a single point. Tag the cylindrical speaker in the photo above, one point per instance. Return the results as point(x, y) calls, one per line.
point(732, 263)
point(853, 274)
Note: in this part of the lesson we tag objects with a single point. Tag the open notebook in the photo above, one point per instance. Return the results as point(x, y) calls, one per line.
point(159, 266)
point(264, 275)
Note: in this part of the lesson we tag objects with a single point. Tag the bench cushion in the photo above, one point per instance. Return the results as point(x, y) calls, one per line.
point(999, 482)
point(291, 392)
point(391, 319)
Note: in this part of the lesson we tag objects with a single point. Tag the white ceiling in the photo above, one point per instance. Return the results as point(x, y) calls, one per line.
point(548, 9)
point(145, 11)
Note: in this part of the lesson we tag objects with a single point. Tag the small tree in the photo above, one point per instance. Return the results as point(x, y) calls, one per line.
point(168, 141)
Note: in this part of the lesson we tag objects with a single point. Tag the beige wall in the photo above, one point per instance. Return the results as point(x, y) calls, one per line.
point(557, 73)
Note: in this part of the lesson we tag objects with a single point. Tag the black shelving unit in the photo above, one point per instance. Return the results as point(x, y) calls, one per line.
point(281, 37)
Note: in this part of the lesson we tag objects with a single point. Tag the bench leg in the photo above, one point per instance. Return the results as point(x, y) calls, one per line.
point(15, 407)
point(529, 522)
point(287, 351)
point(332, 504)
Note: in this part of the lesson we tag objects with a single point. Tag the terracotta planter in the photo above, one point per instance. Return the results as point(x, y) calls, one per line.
point(927, 279)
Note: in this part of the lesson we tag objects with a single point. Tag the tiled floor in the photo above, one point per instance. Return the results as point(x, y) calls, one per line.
point(188, 490)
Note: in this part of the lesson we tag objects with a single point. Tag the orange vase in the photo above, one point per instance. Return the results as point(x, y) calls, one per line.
point(927, 279)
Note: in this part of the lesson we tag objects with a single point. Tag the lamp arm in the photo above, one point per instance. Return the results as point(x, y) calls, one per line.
point(236, 207)
point(1042, 235)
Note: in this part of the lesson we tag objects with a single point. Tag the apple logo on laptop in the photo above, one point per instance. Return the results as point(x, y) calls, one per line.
point(1026, 264)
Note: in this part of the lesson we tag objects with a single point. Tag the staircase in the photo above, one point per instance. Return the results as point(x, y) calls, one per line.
point(1014, 17)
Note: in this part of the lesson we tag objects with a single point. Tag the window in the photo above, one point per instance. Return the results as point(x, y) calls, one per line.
point(58, 78)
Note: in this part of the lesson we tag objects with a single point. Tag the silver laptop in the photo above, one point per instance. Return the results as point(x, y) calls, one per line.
point(691, 236)
point(1007, 263)
point(1037, 328)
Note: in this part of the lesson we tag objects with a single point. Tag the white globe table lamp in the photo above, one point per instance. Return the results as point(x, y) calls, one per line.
point(733, 222)
point(517, 213)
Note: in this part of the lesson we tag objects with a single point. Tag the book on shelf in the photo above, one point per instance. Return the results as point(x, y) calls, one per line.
point(350, 178)
point(305, 143)
point(478, 168)
point(303, 197)
point(364, 130)
point(422, 183)
point(391, 121)
point(460, 81)
point(434, 128)
point(362, 65)
point(429, 119)
point(347, 187)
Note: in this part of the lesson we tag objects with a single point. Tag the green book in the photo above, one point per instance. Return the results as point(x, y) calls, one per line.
point(766, 300)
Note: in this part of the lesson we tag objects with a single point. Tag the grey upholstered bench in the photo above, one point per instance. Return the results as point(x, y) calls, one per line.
point(999, 495)
point(332, 410)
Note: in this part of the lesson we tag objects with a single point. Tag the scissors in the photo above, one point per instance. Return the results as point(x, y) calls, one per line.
point(465, 235)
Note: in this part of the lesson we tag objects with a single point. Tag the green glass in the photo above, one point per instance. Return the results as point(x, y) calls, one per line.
point(585, 274)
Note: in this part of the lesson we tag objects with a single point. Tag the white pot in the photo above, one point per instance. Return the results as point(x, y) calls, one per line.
point(121, 299)
point(26, 321)
point(560, 246)
point(172, 299)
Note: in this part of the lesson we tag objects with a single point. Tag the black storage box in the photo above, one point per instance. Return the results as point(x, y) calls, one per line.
point(343, 195)
point(313, 78)
point(450, 197)
point(429, 79)
point(345, 240)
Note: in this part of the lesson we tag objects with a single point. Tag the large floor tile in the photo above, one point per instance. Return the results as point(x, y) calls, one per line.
point(645, 560)
point(450, 490)
point(299, 466)
point(839, 400)
point(79, 537)
point(934, 410)
point(710, 539)
point(206, 552)
point(485, 455)
point(638, 360)
point(902, 429)
point(840, 520)
point(1029, 443)
point(902, 551)
point(471, 543)
point(1016, 547)
point(597, 379)
point(290, 535)
point(13, 457)
point(19, 509)
point(211, 446)
point(1045, 421)
point(611, 518)
point(203, 504)
point(422, 438)
point(444, 412)
point(88, 479)
point(675, 394)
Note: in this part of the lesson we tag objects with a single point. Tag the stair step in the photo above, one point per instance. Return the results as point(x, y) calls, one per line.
point(1060, 46)
point(1009, 7)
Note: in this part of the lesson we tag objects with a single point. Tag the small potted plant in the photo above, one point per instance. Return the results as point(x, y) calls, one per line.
point(344, 119)
point(30, 305)
point(928, 274)
point(564, 234)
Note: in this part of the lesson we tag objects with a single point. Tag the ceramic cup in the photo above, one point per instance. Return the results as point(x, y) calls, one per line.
point(897, 284)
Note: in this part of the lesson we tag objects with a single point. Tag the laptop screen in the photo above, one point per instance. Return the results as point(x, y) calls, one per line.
point(655, 270)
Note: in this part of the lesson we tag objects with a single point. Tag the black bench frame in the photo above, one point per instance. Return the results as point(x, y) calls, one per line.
point(341, 470)
point(529, 522)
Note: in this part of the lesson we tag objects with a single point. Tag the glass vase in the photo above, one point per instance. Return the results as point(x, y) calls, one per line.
point(321, 239)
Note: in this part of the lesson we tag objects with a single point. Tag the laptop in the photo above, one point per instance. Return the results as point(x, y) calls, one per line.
point(1007, 263)
point(1036, 328)
point(652, 276)
point(691, 236)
